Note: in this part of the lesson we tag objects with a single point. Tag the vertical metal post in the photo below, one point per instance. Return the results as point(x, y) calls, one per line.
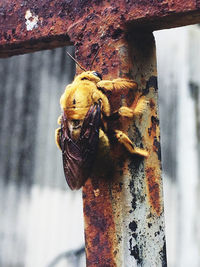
point(124, 218)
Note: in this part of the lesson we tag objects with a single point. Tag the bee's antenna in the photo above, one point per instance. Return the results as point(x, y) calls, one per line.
point(76, 62)
point(94, 58)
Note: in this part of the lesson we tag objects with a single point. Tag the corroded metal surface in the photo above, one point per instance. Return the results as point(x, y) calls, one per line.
point(124, 219)
point(27, 26)
point(101, 244)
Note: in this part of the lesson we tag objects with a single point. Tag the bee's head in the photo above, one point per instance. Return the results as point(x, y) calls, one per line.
point(92, 76)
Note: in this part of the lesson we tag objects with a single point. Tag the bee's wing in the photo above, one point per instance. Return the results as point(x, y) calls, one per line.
point(78, 157)
point(72, 160)
point(89, 136)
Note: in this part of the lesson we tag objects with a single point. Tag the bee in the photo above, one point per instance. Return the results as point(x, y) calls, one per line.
point(86, 123)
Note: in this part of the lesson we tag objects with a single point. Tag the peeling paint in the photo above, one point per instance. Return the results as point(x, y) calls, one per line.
point(31, 21)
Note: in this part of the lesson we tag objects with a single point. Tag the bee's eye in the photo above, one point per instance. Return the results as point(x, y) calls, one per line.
point(97, 74)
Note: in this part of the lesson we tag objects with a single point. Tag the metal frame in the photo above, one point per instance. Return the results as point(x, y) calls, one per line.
point(124, 219)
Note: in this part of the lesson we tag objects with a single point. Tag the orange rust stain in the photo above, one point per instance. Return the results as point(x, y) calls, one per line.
point(153, 188)
point(99, 225)
point(152, 166)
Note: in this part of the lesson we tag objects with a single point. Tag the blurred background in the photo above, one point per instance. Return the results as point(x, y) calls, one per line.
point(41, 220)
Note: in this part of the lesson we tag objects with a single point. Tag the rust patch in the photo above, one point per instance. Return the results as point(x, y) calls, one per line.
point(153, 188)
point(100, 231)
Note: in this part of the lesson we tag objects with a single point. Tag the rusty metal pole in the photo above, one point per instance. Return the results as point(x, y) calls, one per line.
point(124, 218)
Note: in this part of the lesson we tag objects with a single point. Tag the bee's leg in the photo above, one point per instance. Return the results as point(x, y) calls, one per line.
point(104, 142)
point(117, 84)
point(57, 137)
point(137, 110)
point(124, 140)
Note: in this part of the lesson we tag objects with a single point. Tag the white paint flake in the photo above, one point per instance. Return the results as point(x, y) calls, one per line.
point(31, 21)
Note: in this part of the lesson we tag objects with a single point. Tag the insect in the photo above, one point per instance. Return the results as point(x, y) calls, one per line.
point(86, 123)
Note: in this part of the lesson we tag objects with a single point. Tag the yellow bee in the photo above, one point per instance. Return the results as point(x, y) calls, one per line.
point(87, 123)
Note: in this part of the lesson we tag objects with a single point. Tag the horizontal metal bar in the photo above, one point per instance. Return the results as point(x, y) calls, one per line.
point(27, 26)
